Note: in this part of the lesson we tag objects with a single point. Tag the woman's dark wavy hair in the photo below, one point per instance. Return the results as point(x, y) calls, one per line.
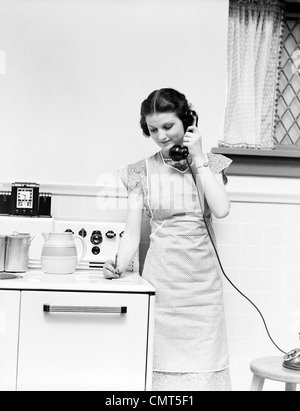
point(166, 100)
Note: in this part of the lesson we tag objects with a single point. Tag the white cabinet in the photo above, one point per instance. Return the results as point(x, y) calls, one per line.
point(81, 341)
point(9, 327)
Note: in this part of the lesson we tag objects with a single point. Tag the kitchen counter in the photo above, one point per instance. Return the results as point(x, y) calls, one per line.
point(81, 280)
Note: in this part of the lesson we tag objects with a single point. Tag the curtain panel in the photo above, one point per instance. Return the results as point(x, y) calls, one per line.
point(254, 43)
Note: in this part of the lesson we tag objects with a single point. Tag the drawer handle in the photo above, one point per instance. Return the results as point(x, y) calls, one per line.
point(82, 309)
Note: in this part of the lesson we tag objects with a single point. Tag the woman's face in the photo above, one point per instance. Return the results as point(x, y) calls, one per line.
point(166, 129)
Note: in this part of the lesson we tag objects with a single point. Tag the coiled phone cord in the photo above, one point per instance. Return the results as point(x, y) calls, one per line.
point(220, 263)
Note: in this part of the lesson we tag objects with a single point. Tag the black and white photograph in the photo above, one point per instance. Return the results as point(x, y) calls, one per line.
point(149, 198)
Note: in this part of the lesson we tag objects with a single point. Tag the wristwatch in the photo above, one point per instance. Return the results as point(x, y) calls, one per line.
point(203, 165)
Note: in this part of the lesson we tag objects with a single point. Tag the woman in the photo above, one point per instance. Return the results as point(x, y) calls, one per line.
point(190, 343)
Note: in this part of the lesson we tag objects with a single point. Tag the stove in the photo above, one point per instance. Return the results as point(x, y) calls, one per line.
point(102, 241)
point(101, 238)
point(51, 323)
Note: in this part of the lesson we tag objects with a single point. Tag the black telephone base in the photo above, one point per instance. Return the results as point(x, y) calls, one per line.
point(292, 360)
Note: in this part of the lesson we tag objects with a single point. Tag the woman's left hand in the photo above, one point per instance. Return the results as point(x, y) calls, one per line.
point(193, 141)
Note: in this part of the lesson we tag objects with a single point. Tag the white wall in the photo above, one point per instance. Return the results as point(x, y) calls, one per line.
point(77, 71)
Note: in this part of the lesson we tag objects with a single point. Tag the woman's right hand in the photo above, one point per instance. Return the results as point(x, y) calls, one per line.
point(110, 270)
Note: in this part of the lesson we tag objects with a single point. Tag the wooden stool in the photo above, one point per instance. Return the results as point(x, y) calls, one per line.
point(272, 369)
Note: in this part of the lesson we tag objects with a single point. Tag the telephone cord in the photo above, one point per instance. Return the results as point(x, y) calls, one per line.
point(221, 266)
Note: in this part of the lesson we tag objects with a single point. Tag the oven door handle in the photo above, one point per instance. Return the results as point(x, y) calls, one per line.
point(47, 308)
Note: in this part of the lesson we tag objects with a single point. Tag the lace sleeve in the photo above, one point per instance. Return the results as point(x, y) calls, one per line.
point(218, 164)
point(132, 176)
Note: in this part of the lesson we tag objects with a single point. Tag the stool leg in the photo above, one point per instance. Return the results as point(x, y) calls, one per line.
point(257, 383)
point(289, 386)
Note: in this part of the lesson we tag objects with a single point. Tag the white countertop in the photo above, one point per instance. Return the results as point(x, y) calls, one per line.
point(81, 280)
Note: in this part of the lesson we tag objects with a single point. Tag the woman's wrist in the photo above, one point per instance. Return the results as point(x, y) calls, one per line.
point(200, 160)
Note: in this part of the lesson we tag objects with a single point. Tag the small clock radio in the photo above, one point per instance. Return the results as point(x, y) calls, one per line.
point(25, 200)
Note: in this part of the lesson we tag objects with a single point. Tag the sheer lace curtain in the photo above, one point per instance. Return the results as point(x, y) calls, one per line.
point(254, 39)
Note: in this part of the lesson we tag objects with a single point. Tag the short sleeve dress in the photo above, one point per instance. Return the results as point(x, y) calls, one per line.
point(190, 334)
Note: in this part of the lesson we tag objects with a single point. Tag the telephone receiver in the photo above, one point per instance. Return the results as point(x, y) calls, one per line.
point(179, 152)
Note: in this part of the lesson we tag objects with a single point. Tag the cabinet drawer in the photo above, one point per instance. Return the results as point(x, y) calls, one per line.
point(82, 341)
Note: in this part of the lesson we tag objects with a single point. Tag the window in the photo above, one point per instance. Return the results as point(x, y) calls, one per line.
point(288, 104)
point(284, 159)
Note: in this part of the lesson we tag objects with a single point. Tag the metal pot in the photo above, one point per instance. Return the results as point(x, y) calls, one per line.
point(2, 252)
point(17, 252)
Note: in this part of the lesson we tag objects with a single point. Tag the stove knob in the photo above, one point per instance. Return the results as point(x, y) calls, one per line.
point(69, 231)
point(82, 233)
point(110, 234)
point(121, 233)
point(96, 237)
point(96, 250)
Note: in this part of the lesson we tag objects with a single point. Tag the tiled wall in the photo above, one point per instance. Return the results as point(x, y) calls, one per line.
point(259, 245)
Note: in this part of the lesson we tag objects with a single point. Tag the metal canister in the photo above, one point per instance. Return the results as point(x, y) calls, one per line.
point(2, 252)
point(17, 252)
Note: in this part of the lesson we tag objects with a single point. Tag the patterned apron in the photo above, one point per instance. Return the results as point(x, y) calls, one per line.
point(190, 332)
